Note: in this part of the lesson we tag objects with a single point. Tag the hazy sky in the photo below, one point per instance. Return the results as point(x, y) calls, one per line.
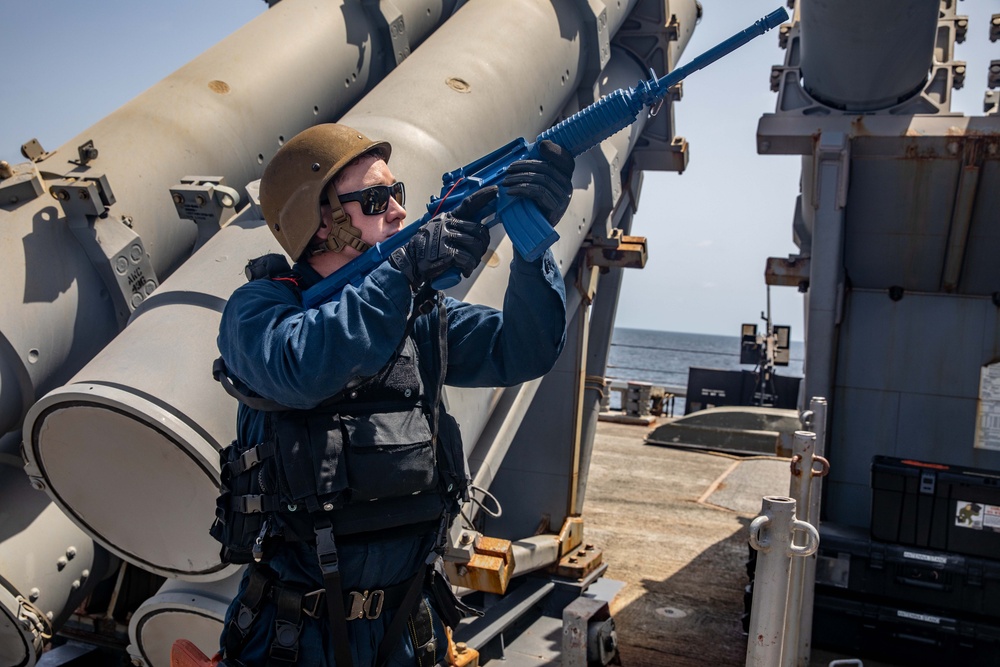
point(710, 230)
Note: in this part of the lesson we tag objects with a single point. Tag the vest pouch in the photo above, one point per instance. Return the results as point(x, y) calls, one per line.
point(453, 466)
point(389, 454)
point(310, 457)
point(236, 530)
point(448, 606)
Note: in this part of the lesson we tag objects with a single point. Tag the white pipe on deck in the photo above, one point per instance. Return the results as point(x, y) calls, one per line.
point(771, 534)
point(800, 489)
point(817, 407)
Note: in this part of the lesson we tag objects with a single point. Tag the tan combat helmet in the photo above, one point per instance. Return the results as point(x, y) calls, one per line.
point(295, 178)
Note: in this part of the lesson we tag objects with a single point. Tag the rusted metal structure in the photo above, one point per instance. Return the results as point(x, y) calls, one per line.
point(896, 229)
point(896, 226)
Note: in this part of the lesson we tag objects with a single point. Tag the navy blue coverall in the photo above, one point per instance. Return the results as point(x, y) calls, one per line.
point(299, 357)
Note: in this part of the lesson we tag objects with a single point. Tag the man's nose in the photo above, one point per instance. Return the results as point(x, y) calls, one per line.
point(396, 211)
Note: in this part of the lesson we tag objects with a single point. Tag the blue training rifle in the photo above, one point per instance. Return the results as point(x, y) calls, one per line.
point(528, 230)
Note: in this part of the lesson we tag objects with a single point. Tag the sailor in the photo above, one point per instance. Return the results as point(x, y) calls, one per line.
point(347, 470)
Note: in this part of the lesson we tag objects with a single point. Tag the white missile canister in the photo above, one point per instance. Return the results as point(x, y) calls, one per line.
point(180, 610)
point(129, 448)
point(47, 567)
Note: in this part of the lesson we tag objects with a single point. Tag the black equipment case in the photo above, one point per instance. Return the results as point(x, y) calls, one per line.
point(937, 506)
point(850, 561)
point(901, 635)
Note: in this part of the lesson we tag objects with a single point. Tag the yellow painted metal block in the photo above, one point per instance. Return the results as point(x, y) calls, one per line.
point(488, 570)
point(579, 563)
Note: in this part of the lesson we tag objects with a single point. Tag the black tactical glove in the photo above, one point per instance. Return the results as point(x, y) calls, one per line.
point(547, 181)
point(456, 239)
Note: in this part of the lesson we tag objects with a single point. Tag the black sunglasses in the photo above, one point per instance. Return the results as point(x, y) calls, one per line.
point(375, 200)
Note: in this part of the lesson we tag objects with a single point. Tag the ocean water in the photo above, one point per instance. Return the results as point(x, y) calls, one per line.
point(664, 357)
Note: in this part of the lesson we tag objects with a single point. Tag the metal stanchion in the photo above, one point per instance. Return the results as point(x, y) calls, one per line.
point(817, 407)
point(802, 487)
point(771, 534)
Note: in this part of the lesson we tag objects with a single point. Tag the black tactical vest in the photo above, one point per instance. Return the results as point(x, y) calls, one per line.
point(381, 456)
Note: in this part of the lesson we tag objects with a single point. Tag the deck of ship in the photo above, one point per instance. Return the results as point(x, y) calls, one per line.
point(673, 526)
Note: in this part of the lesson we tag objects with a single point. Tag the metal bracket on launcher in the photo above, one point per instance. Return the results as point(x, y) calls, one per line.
point(397, 31)
point(991, 100)
point(791, 271)
point(395, 24)
point(647, 36)
point(832, 153)
point(19, 183)
point(618, 250)
point(33, 151)
point(203, 199)
point(599, 52)
point(114, 249)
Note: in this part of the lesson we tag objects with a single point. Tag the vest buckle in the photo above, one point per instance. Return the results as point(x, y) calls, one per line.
point(312, 602)
point(366, 605)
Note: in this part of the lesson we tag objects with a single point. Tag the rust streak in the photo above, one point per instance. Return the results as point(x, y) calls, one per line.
point(858, 128)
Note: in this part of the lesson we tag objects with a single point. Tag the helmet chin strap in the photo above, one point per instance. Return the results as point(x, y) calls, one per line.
point(343, 234)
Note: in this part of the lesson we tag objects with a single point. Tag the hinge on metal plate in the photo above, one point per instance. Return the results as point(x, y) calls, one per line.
point(33, 150)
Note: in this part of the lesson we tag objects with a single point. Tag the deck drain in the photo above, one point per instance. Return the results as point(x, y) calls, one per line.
point(671, 612)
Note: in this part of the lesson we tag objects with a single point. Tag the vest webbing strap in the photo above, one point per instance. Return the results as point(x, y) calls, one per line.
point(287, 627)
point(264, 405)
point(250, 458)
point(442, 350)
point(253, 504)
point(343, 232)
point(242, 620)
point(329, 565)
point(395, 629)
point(399, 621)
point(346, 234)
